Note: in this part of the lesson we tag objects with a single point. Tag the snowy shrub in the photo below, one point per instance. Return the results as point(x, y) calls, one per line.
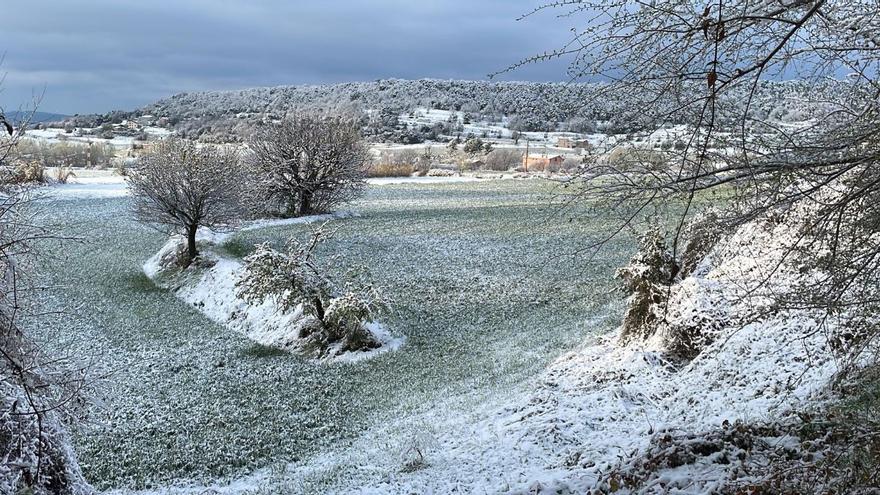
point(395, 164)
point(701, 235)
point(648, 278)
point(345, 318)
point(294, 278)
point(473, 146)
point(28, 172)
point(684, 312)
point(503, 159)
point(635, 158)
point(413, 452)
point(63, 175)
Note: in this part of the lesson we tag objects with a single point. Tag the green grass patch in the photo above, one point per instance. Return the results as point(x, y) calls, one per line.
point(262, 351)
point(139, 282)
point(235, 248)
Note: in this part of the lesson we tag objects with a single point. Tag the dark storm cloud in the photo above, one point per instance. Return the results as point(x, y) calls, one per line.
point(96, 55)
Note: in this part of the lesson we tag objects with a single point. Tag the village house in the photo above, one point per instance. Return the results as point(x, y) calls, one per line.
point(573, 143)
point(542, 163)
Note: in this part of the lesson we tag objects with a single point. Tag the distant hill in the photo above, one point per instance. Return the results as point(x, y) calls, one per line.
point(229, 116)
point(17, 116)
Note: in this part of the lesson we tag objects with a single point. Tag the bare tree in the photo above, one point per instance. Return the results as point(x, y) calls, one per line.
point(703, 65)
point(179, 187)
point(503, 159)
point(310, 162)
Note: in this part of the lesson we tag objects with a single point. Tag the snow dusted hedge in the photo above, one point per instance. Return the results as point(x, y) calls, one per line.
point(335, 315)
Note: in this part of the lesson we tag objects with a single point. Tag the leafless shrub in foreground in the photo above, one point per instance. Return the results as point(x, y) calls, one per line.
point(37, 394)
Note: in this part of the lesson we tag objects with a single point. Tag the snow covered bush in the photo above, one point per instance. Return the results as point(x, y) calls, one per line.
point(413, 452)
point(680, 311)
point(503, 159)
point(27, 172)
point(395, 164)
point(338, 311)
point(647, 277)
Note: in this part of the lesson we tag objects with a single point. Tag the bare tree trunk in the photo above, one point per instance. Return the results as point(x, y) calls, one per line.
point(292, 208)
point(191, 251)
point(305, 202)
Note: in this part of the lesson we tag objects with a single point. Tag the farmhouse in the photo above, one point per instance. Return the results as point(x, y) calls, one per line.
point(540, 163)
point(573, 143)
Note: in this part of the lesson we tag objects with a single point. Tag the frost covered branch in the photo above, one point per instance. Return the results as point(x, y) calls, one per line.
point(36, 394)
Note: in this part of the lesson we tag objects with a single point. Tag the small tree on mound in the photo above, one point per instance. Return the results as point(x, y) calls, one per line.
point(180, 187)
point(309, 163)
point(295, 277)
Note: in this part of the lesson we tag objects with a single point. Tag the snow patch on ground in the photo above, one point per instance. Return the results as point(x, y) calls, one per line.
point(86, 190)
point(207, 235)
point(84, 185)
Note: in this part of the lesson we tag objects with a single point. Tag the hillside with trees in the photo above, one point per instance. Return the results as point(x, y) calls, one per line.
point(228, 116)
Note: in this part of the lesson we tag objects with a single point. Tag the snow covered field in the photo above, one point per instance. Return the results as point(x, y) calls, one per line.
point(595, 410)
point(55, 135)
point(482, 291)
point(509, 382)
point(107, 184)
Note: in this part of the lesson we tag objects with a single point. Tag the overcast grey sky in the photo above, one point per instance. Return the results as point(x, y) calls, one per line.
point(98, 55)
